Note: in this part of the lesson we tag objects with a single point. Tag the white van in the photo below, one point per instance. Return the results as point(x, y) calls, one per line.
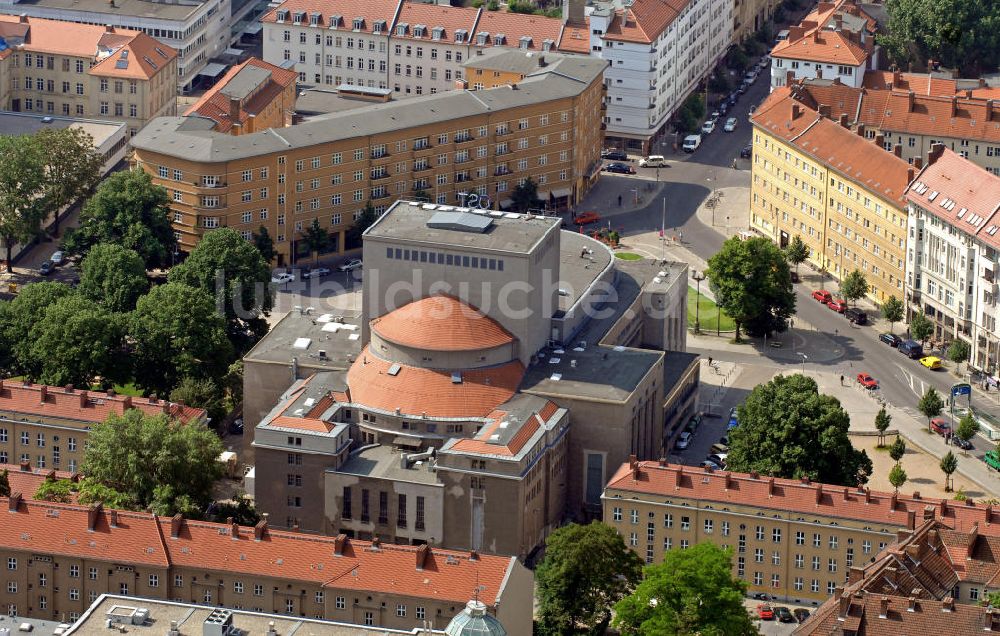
point(653, 161)
point(691, 143)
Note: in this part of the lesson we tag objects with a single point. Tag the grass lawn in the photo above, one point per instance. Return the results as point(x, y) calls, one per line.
point(708, 313)
point(123, 389)
point(628, 256)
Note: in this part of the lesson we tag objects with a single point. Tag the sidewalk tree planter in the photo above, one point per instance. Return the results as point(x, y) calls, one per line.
point(958, 352)
point(892, 310)
point(921, 327)
point(854, 286)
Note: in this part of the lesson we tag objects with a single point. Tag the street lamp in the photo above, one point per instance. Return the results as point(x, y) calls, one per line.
point(698, 277)
point(804, 358)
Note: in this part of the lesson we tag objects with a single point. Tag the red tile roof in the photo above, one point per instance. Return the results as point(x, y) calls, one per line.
point(865, 613)
point(480, 443)
point(514, 26)
point(932, 115)
point(778, 115)
point(441, 323)
point(575, 38)
point(82, 406)
point(789, 495)
point(215, 105)
point(27, 482)
point(414, 390)
point(141, 538)
point(141, 57)
point(644, 21)
point(830, 47)
point(370, 11)
point(920, 83)
point(962, 194)
point(437, 15)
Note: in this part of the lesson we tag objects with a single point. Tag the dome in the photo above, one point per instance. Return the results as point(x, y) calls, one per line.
point(441, 323)
point(475, 621)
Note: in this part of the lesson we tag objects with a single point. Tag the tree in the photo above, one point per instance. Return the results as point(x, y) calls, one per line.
point(993, 599)
point(930, 405)
point(586, 570)
point(959, 34)
point(921, 327)
point(203, 393)
point(75, 341)
point(690, 114)
point(130, 210)
point(525, 196)
point(241, 509)
point(229, 268)
point(854, 286)
point(177, 333)
point(897, 449)
point(949, 464)
point(265, 245)
point(752, 284)
point(113, 276)
point(151, 461)
point(967, 428)
point(897, 477)
point(316, 238)
point(882, 421)
point(4, 483)
point(72, 168)
point(364, 221)
point(22, 169)
point(958, 352)
point(788, 429)
point(892, 310)
point(691, 592)
point(18, 317)
point(57, 490)
point(797, 252)
point(232, 382)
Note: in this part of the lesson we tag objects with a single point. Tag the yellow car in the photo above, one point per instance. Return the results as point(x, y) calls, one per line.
point(931, 362)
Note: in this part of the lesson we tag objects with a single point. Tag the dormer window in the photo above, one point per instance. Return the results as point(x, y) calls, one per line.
point(525, 41)
point(282, 15)
point(298, 16)
point(313, 19)
point(379, 26)
point(438, 33)
point(335, 21)
point(498, 39)
point(419, 31)
point(359, 23)
point(481, 38)
point(401, 28)
point(547, 45)
point(460, 36)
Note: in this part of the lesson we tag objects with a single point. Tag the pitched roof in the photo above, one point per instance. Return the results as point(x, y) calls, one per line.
point(575, 38)
point(962, 194)
point(143, 57)
point(441, 323)
point(27, 481)
point(432, 391)
point(214, 104)
point(933, 115)
point(338, 562)
point(644, 21)
point(919, 83)
point(489, 440)
point(431, 16)
point(789, 495)
point(830, 47)
point(515, 26)
point(69, 404)
point(779, 114)
point(370, 12)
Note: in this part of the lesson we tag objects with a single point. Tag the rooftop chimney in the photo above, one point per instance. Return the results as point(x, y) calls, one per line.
point(111, 393)
point(790, 78)
point(108, 27)
point(954, 105)
point(909, 101)
point(114, 518)
point(23, 18)
point(260, 530)
point(422, 552)
point(25, 466)
point(126, 403)
point(234, 110)
point(868, 495)
point(824, 110)
point(339, 543)
point(855, 574)
point(770, 486)
point(860, 129)
point(912, 550)
point(918, 163)
point(796, 111)
point(819, 494)
point(234, 528)
point(843, 120)
point(947, 604)
point(93, 513)
point(897, 77)
point(43, 392)
point(897, 149)
point(934, 153)
point(84, 399)
point(176, 523)
point(844, 604)
point(910, 172)
point(989, 110)
point(929, 510)
point(13, 501)
point(880, 140)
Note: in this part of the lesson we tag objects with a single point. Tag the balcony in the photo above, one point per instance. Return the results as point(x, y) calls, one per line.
point(459, 139)
point(379, 154)
point(418, 167)
point(381, 175)
point(421, 144)
point(501, 170)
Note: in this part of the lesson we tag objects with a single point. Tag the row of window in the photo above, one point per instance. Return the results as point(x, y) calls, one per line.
point(39, 439)
point(347, 508)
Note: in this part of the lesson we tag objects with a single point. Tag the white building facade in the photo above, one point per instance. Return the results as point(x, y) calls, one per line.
point(656, 59)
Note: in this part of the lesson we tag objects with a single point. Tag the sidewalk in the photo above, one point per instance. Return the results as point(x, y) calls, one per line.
point(603, 197)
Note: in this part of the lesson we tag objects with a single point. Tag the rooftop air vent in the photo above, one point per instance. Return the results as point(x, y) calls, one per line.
point(459, 222)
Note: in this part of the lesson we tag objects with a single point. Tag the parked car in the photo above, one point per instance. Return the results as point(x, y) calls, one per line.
point(318, 272)
point(794, 276)
point(730, 124)
point(733, 418)
point(691, 143)
point(693, 424)
point(724, 107)
point(57, 258)
point(750, 77)
point(614, 155)
point(619, 168)
point(709, 464)
point(744, 87)
point(784, 615)
point(867, 381)
point(761, 596)
point(931, 362)
point(708, 127)
point(653, 161)
point(856, 316)
point(282, 278)
point(992, 459)
point(236, 426)
point(683, 441)
point(940, 426)
point(765, 612)
point(718, 459)
point(351, 265)
point(910, 348)
point(838, 305)
point(822, 296)
point(587, 217)
point(747, 151)
point(801, 614)
point(719, 449)
point(964, 444)
point(890, 339)
point(46, 268)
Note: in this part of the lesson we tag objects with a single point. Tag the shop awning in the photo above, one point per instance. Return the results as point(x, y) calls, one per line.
point(212, 69)
point(561, 193)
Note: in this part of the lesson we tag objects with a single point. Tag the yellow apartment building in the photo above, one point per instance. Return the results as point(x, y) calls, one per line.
point(448, 145)
point(841, 193)
point(790, 538)
point(61, 68)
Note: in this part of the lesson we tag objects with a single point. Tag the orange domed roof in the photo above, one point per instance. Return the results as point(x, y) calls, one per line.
point(441, 323)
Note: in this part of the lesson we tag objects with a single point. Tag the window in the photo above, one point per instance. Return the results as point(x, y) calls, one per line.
point(973, 593)
point(154, 580)
point(74, 571)
point(833, 542)
point(341, 602)
point(92, 574)
point(815, 563)
point(400, 610)
point(758, 555)
point(725, 528)
point(258, 589)
point(800, 538)
point(11, 563)
point(419, 525)
point(760, 533)
point(74, 594)
point(318, 597)
point(709, 526)
point(799, 561)
point(178, 580)
point(633, 516)
point(817, 540)
point(668, 520)
point(685, 523)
